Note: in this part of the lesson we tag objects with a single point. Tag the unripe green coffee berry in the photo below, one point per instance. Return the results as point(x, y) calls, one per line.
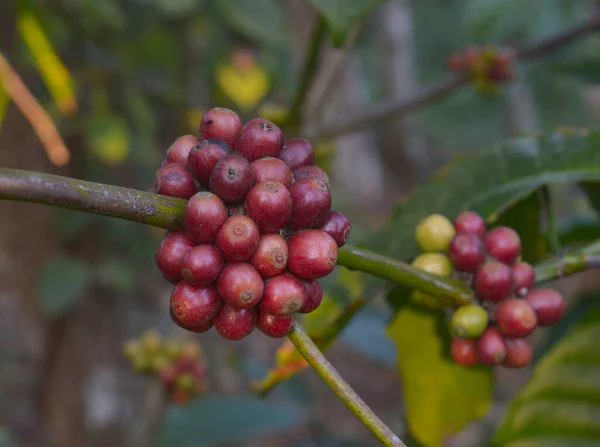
point(468, 321)
point(131, 348)
point(172, 349)
point(159, 362)
point(151, 342)
point(185, 382)
point(434, 233)
point(434, 263)
point(141, 362)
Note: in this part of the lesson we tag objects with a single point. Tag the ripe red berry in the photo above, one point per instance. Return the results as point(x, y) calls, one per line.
point(197, 329)
point(548, 305)
point(269, 168)
point(311, 202)
point(180, 149)
point(202, 265)
point(314, 295)
point(240, 285)
point(170, 254)
point(311, 172)
point(297, 152)
point(204, 214)
point(523, 277)
point(337, 226)
point(238, 238)
point(470, 222)
point(493, 281)
point(235, 324)
point(259, 138)
point(274, 326)
point(221, 123)
point(313, 254)
point(270, 205)
point(515, 318)
point(271, 256)
point(518, 352)
point(284, 295)
point(204, 156)
point(504, 244)
point(463, 351)
point(231, 179)
point(174, 180)
point(466, 252)
point(490, 347)
point(195, 306)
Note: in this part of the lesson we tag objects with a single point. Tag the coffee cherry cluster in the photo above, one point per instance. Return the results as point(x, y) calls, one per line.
point(259, 229)
point(486, 66)
point(177, 363)
point(493, 330)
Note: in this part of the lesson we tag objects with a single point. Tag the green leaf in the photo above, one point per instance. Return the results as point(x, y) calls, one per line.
point(492, 181)
point(216, 420)
point(341, 15)
point(561, 403)
point(259, 20)
point(441, 397)
point(61, 282)
point(524, 217)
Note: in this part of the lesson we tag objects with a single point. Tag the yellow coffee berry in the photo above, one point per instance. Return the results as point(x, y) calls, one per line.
point(434, 263)
point(434, 233)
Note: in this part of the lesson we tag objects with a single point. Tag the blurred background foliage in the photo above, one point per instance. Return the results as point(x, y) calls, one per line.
point(122, 79)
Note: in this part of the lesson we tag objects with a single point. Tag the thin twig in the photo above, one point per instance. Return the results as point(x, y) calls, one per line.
point(36, 115)
point(401, 107)
point(340, 387)
point(308, 73)
point(569, 264)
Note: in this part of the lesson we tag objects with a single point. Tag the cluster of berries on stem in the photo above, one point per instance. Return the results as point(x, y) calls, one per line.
point(258, 227)
point(494, 329)
point(486, 66)
point(178, 364)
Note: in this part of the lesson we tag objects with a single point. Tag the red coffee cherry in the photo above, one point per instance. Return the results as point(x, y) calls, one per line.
point(274, 326)
point(515, 318)
point(523, 277)
point(170, 254)
point(463, 351)
point(174, 180)
point(283, 295)
point(180, 149)
point(297, 152)
point(493, 281)
point(235, 324)
point(313, 254)
point(269, 168)
point(548, 305)
point(311, 202)
point(222, 124)
point(519, 352)
point(337, 226)
point(240, 285)
point(202, 265)
point(490, 347)
point(195, 306)
point(314, 295)
point(197, 329)
point(259, 138)
point(204, 156)
point(238, 238)
point(231, 179)
point(466, 252)
point(470, 222)
point(204, 215)
point(269, 204)
point(311, 172)
point(504, 244)
point(271, 256)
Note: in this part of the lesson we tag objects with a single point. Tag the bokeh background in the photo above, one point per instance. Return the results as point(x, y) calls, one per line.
point(121, 79)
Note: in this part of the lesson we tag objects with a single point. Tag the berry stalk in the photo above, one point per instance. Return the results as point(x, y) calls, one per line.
point(340, 387)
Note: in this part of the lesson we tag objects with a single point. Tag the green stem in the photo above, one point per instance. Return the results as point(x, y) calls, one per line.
point(402, 273)
point(340, 387)
point(569, 264)
point(308, 74)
